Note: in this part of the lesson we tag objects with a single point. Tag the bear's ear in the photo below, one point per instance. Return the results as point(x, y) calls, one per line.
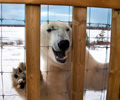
point(70, 24)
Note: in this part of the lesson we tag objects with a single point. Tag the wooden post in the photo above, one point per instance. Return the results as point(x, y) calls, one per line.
point(79, 47)
point(114, 66)
point(33, 51)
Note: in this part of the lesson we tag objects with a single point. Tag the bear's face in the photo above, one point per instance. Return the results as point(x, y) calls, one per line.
point(56, 35)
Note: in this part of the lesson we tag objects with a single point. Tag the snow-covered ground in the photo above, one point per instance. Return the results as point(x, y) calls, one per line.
point(11, 55)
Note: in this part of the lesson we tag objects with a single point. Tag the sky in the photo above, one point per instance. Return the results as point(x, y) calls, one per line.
point(15, 14)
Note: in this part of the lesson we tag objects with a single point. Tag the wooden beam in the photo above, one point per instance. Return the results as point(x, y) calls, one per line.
point(79, 47)
point(83, 3)
point(33, 51)
point(114, 70)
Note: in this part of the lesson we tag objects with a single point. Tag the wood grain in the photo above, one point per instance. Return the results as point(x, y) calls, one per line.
point(33, 51)
point(79, 47)
point(84, 3)
point(114, 70)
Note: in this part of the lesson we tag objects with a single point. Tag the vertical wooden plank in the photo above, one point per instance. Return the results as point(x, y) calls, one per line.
point(33, 51)
point(114, 70)
point(79, 47)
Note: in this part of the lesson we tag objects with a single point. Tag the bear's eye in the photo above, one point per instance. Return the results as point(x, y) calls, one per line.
point(15, 75)
point(67, 29)
point(49, 30)
point(52, 27)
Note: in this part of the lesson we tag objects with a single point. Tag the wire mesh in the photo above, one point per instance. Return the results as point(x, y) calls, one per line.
point(51, 14)
point(99, 47)
point(12, 42)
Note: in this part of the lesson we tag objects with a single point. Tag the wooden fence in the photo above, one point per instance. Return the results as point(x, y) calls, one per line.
point(79, 15)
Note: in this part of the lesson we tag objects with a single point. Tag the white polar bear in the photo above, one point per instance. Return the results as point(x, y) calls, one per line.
point(56, 41)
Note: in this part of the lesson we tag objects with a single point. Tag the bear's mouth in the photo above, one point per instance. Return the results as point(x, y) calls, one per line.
point(60, 56)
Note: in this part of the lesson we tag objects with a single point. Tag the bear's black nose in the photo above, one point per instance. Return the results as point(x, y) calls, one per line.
point(63, 45)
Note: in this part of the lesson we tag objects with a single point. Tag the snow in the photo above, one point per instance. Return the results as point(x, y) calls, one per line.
point(11, 55)
point(92, 95)
point(100, 54)
point(93, 33)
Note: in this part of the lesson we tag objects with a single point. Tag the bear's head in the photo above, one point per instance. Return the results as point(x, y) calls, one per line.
point(56, 35)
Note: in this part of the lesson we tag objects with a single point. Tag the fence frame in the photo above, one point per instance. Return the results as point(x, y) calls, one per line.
point(83, 3)
point(33, 45)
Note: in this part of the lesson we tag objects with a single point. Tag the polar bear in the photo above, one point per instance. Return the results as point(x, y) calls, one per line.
point(56, 41)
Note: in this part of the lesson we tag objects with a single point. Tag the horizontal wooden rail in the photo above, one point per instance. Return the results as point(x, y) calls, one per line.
point(84, 3)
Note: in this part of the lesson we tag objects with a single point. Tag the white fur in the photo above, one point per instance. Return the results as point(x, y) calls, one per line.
point(56, 83)
point(58, 79)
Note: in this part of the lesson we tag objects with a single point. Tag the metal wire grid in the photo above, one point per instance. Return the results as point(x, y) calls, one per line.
point(47, 47)
point(47, 72)
point(103, 91)
point(5, 74)
point(3, 94)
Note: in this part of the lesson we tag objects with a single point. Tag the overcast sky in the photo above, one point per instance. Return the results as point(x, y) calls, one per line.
point(63, 13)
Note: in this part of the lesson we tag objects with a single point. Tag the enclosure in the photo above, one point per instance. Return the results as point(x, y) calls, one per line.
point(79, 72)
